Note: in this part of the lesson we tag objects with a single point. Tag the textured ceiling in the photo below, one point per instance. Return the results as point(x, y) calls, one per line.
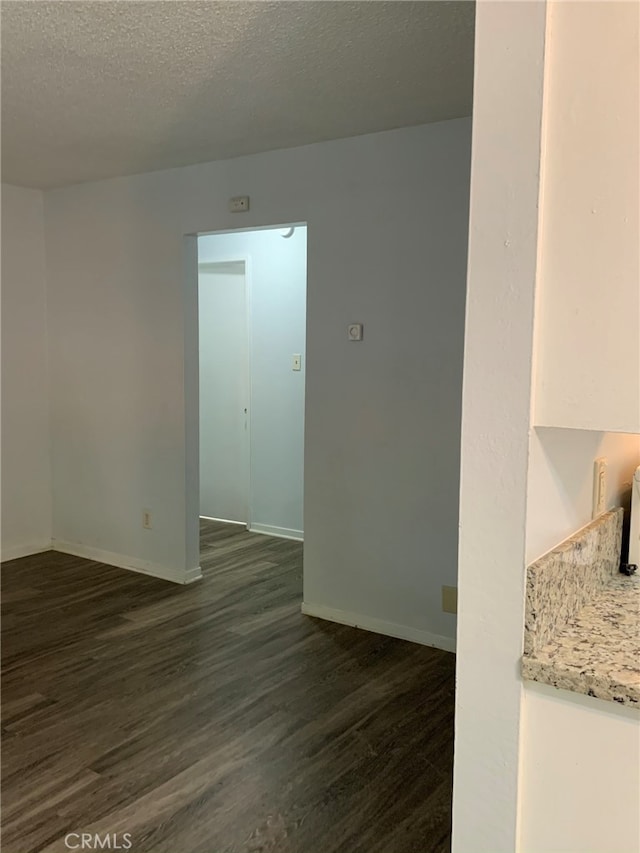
point(98, 89)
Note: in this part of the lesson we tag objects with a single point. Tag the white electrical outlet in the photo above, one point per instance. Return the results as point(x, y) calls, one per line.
point(354, 331)
point(599, 487)
point(450, 599)
point(146, 519)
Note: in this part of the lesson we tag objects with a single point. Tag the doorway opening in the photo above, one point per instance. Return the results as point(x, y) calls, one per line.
point(251, 353)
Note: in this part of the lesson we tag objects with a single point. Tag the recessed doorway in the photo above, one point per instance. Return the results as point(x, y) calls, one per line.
point(251, 333)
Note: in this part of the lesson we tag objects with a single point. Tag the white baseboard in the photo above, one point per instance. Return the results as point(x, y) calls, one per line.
point(133, 564)
point(280, 532)
point(380, 626)
point(191, 575)
point(223, 520)
point(17, 551)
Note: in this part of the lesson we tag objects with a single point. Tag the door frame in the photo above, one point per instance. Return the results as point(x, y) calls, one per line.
point(246, 259)
point(191, 401)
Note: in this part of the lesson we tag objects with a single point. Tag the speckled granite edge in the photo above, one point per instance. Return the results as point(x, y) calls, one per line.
point(597, 652)
point(563, 581)
point(582, 630)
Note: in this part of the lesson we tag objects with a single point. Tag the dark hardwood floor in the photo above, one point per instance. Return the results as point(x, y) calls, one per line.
point(214, 718)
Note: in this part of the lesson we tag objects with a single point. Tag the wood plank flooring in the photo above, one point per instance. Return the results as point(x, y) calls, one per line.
point(214, 718)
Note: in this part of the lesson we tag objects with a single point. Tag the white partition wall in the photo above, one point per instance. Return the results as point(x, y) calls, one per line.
point(26, 461)
point(387, 218)
point(503, 246)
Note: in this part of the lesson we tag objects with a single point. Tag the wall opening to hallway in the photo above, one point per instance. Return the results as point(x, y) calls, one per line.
point(251, 389)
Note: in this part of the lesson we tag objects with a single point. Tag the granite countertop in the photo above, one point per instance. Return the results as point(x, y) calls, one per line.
point(598, 651)
point(582, 617)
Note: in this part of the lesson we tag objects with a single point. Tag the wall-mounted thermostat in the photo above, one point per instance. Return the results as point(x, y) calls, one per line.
point(354, 331)
point(239, 204)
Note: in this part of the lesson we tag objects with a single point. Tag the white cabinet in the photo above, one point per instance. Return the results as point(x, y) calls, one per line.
point(587, 359)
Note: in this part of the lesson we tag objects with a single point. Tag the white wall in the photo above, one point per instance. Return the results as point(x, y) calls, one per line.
point(581, 779)
point(589, 347)
point(26, 471)
point(495, 421)
point(560, 487)
point(278, 284)
point(383, 415)
point(387, 219)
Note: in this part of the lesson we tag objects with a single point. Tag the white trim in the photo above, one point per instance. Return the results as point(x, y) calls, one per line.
point(18, 551)
point(280, 532)
point(224, 520)
point(191, 575)
point(248, 298)
point(380, 626)
point(133, 564)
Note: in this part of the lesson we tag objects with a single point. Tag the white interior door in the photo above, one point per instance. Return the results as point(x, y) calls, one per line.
point(224, 391)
